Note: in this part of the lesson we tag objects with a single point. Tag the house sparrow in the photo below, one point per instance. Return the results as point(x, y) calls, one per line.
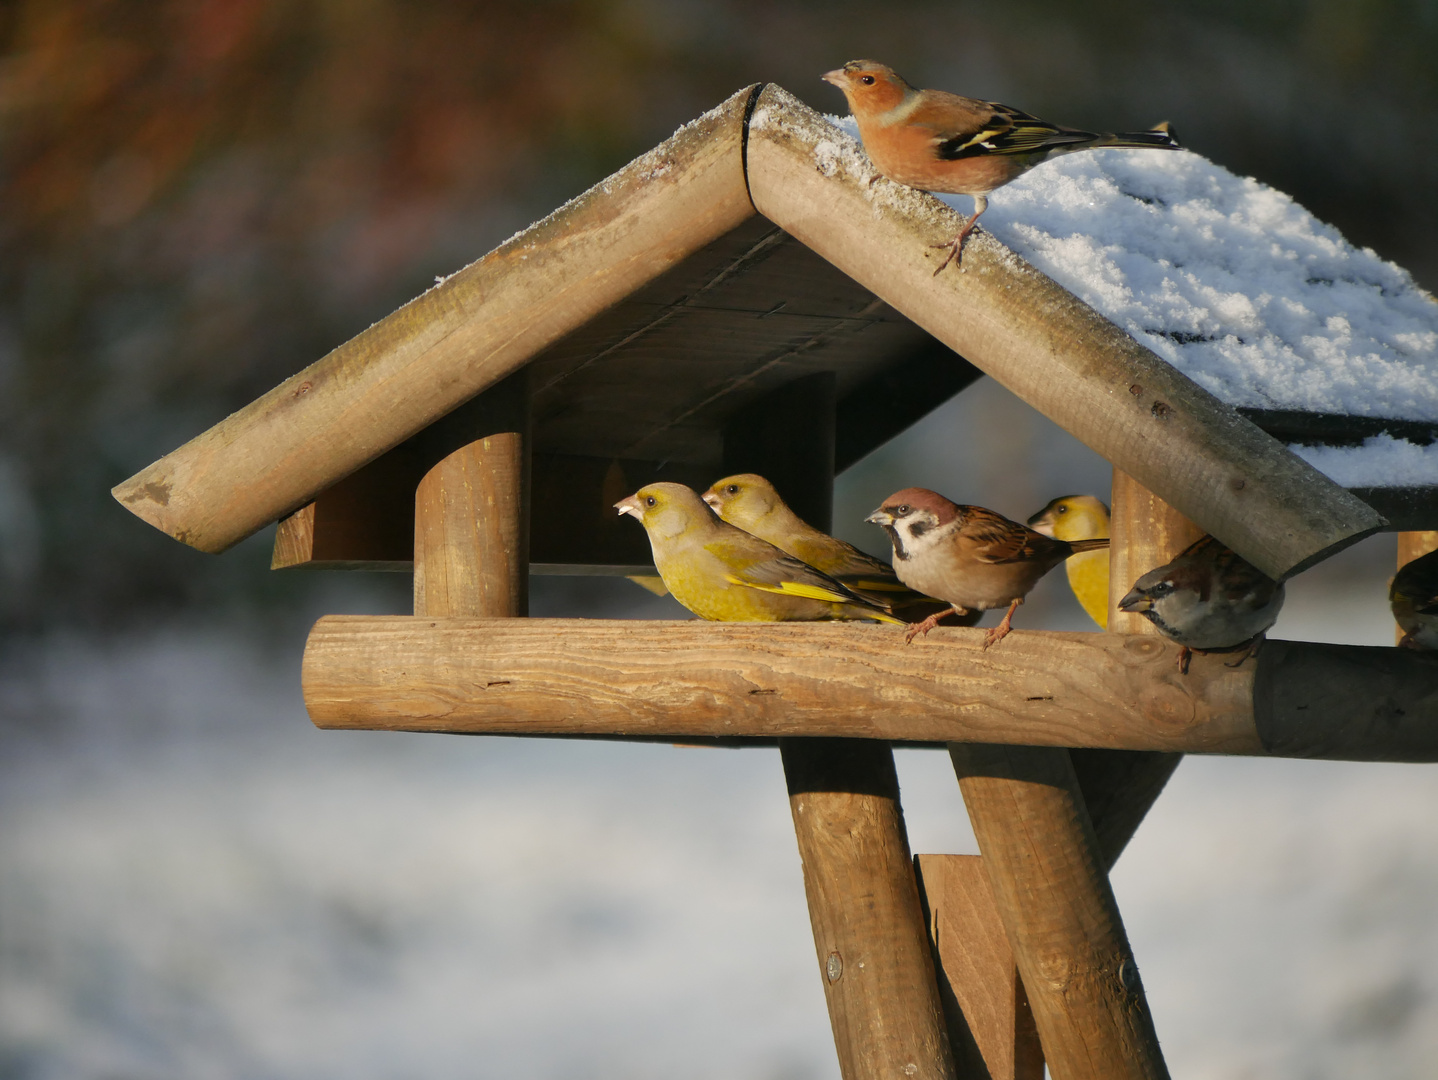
point(750, 502)
point(937, 141)
point(970, 557)
point(724, 574)
point(1413, 596)
point(1208, 599)
point(1080, 517)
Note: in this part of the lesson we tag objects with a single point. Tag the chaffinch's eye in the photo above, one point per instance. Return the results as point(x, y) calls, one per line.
point(650, 501)
point(732, 489)
point(867, 80)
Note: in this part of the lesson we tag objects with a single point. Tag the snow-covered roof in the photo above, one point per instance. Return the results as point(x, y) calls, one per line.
point(1238, 287)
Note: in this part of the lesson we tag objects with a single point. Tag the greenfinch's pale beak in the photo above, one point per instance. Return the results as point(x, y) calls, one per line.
point(1042, 522)
point(1135, 602)
point(712, 499)
point(836, 77)
point(880, 517)
point(630, 506)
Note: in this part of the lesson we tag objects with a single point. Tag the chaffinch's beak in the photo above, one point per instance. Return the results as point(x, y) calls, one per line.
point(879, 516)
point(629, 506)
point(836, 77)
point(1135, 602)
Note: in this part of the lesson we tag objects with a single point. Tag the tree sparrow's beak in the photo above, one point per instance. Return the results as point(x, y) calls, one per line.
point(629, 506)
point(1135, 602)
point(879, 516)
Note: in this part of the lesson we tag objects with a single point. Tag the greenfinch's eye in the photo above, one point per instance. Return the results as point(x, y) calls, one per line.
point(867, 80)
point(732, 489)
point(650, 501)
point(1061, 510)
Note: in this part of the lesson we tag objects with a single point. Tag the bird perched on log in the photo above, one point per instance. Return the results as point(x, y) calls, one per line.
point(1208, 599)
point(970, 557)
point(1413, 596)
point(751, 503)
point(721, 573)
point(937, 141)
point(1080, 517)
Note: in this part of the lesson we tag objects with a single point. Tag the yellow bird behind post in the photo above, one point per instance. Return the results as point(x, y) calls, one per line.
point(750, 502)
point(1080, 517)
point(1413, 596)
point(724, 574)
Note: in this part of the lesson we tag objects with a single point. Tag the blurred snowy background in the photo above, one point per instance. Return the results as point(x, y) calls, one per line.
point(201, 197)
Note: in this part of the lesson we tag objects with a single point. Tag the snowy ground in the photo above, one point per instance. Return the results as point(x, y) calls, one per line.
point(198, 884)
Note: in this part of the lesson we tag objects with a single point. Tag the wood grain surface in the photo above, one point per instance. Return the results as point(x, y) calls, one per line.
point(1063, 924)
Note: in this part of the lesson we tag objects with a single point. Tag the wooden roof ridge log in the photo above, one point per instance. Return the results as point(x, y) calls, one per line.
point(1052, 350)
point(453, 341)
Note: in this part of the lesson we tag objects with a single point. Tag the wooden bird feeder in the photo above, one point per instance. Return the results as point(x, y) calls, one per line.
point(739, 299)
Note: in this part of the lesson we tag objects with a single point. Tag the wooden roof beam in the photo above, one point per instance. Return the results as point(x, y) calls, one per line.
point(439, 350)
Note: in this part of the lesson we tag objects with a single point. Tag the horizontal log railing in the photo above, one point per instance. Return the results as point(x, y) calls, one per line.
point(684, 680)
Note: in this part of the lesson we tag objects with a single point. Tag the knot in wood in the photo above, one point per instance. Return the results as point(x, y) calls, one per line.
point(1144, 645)
point(1055, 968)
point(834, 967)
point(1167, 704)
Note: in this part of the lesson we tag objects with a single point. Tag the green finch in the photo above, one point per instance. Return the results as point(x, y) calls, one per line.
point(724, 574)
point(750, 502)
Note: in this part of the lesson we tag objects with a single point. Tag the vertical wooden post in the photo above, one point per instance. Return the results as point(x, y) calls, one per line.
point(1053, 896)
point(1120, 786)
point(1413, 545)
point(873, 949)
point(471, 520)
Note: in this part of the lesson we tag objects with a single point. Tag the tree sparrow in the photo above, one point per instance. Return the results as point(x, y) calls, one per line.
point(1413, 596)
point(970, 557)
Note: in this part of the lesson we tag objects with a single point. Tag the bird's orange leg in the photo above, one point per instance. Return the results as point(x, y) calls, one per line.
point(1185, 654)
point(998, 633)
point(931, 622)
point(956, 245)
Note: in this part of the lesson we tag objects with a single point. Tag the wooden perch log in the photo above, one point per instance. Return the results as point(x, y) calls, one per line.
point(1053, 895)
point(442, 348)
point(681, 680)
point(1048, 347)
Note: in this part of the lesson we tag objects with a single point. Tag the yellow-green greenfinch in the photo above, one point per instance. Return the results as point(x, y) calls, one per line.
point(724, 574)
point(1413, 597)
point(1080, 517)
point(750, 502)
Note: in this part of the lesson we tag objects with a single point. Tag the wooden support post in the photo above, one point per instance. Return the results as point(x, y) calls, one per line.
point(1413, 545)
point(991, 1027)
point(1120, 786)
point(471, 520)
point(869, 932)
point(1062, 920)
point(873, 949)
